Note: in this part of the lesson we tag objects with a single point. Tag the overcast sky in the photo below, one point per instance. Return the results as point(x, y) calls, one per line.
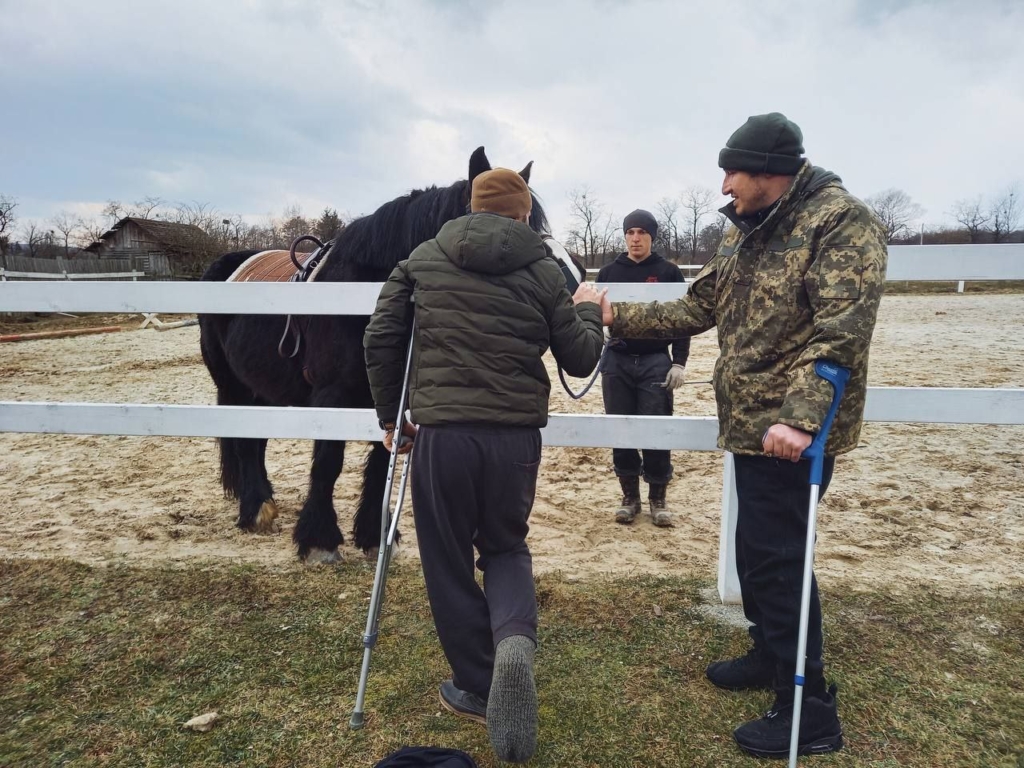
point(255, 105)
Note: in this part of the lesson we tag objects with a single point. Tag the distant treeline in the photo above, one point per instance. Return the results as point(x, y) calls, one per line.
point(689, 226)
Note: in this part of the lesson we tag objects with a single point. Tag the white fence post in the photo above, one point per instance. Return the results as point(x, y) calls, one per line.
point(728, 577)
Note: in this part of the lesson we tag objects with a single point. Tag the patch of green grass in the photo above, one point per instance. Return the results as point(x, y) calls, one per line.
point(102, 666)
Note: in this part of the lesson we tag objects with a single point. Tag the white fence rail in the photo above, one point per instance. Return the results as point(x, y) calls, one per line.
point(946, 263)
point(891, 404)
point(7, 273)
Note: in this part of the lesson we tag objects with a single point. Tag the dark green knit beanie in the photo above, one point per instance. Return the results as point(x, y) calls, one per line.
point(764, 144)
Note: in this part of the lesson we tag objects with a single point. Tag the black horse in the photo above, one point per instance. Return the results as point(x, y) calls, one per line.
point(241, 354)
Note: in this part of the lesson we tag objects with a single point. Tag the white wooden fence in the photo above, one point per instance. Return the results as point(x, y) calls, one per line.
point(6, 274)
point(889, 404)
point(943, 263)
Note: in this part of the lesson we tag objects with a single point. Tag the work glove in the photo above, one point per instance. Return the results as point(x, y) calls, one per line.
point(675, 378)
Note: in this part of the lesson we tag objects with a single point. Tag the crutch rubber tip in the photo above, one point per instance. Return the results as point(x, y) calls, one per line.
point(357, 722)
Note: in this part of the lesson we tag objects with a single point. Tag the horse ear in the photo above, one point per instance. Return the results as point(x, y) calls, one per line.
point(525, 173)
point(478, 163)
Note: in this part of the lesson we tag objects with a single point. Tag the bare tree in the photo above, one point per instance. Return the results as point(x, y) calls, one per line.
point(667, 242)
point(38, 240)
point(67, 225)
point(232, 233)
point(586, 214)
point(143, 209)
point(197, 246)
point(710, 238)
point(969, 213)
point(114, 211)
point(896, 210)
point(610, 241)
point(1005, 215)
point(90, 232)
point(292, 225)
point(7, 220)
point(698, 202)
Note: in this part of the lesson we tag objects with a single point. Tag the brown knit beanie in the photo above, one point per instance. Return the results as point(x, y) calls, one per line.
point(501, 191)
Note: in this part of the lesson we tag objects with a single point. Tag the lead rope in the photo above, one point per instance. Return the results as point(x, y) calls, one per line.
point(593, 378)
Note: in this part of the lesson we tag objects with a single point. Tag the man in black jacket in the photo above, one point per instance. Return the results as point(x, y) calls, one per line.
point(489, 301)
point(638, 377)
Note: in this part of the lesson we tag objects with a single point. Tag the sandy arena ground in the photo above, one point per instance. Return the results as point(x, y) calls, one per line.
point(935, 504)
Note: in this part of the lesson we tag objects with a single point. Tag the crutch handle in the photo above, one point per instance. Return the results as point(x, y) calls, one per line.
point(837, 376)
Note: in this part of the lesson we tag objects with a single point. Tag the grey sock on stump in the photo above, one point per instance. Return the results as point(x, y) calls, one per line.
point(512, 704)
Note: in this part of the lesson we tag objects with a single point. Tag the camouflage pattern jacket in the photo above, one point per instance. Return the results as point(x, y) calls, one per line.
point(803, 284)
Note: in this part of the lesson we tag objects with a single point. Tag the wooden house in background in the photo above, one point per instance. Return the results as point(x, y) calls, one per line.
point(158, 248)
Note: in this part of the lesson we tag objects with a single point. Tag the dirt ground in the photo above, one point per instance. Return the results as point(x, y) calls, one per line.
point(916, 503)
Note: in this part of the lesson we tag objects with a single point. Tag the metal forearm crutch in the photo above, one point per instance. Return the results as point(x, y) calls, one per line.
point(388, 529)
point(837, 376)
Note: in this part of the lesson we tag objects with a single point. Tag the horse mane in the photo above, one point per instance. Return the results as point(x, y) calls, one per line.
point(378, 241)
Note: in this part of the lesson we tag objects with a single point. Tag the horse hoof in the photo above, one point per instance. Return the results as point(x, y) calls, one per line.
point(372, 553)
point(265, 519)
point(323, 556)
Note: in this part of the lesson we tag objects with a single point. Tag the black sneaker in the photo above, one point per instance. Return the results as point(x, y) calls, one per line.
point(753, 671)
point(820, 731)
point(463, 703)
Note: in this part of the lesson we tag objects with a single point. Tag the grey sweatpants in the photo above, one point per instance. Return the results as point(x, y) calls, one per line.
point(473, 486)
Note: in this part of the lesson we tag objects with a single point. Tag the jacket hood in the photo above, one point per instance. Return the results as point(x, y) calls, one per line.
point(652, 259)
point(490, 244)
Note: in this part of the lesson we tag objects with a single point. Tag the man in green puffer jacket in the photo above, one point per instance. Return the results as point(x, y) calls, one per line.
point(797, 278)
point(489, 301)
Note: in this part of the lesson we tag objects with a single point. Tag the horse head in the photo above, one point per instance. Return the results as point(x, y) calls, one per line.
point(369, 247)
point(478, 163)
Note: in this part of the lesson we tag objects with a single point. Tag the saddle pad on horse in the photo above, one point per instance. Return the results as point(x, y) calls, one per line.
point(267, 267)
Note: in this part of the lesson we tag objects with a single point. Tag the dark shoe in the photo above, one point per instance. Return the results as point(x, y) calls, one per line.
point(630, 506)
point(820, 731)
point(659, 509)
point(463, 703)
point(512, 706)
point(754, 671)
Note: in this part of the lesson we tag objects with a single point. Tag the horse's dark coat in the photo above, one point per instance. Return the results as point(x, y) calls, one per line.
point(240, 352)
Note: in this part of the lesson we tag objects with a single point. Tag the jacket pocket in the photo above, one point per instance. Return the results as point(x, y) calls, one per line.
point(840, 270)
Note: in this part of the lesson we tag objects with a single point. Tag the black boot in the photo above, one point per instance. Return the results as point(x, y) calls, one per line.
point(659, 510)
point(630, 507)
point(754, 671)
point(820, 731)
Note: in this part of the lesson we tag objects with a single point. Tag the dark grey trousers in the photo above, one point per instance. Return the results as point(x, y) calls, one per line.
point(631, 385)
point(474, 487)
point(773, 497)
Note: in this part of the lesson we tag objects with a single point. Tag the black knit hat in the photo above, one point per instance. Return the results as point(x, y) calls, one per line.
point(642, 219)
point(764, 144)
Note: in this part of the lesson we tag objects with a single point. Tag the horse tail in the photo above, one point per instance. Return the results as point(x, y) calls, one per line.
point(231, 459)
point(221, 269)
point(366, 527)
point(230, 391)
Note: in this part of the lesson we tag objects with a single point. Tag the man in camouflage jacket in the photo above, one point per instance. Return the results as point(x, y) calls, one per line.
point(797, 278)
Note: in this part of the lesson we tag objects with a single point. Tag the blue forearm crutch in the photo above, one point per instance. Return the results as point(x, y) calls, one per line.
point(837, 376)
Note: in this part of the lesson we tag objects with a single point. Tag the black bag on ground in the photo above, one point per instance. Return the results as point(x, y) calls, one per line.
point(420, 757)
